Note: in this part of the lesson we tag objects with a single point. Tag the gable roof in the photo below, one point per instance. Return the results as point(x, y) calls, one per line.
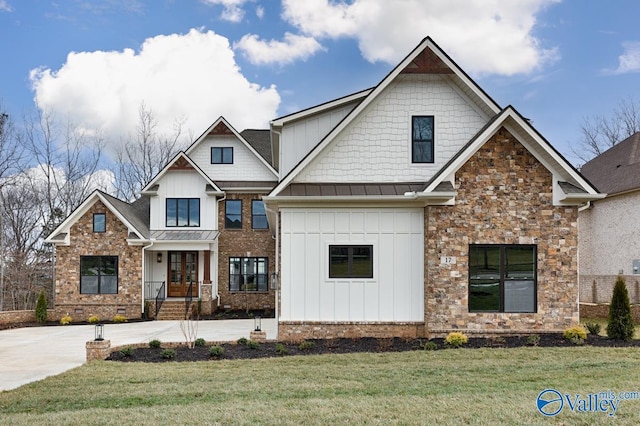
point(617, 169)
point(260, 140)
point(426, 58)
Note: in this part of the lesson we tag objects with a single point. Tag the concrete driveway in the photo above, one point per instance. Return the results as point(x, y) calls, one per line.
point(33, 353)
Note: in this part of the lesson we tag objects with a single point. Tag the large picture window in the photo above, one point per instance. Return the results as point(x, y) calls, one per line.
point(350, 261)
point(99, 274)
point(422, 137)
point(248, 274)
point(258, 215)
point(502, 278)
point(183, 212)
point(222, 155)
point(233, 214)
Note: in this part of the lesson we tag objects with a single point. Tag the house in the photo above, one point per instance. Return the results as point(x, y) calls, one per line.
point(420, 207)
point(609, 235)
point(199, 230)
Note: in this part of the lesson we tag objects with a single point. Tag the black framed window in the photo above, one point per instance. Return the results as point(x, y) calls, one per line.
point(248, 274)
point(502, 278)
point(350, 261)
point(422, 139)
point(222, 155)
point(99, 274)
point(233, 214)
point(258, 215)
point(183, 212)
point(99, 222)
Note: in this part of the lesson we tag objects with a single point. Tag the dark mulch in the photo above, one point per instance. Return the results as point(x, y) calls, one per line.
point(341, 346)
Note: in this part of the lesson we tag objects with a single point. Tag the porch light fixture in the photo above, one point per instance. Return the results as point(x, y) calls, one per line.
point(159, 257)
point(274, 281)
point(99, 332)
point(257, 324)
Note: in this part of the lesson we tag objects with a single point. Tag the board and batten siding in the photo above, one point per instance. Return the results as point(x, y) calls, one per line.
point(376, 146)
point(394, 294)
point(183, 184)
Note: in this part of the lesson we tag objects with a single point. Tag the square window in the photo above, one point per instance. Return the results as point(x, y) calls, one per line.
point(233, 214)
point(422, 139)
point(258, 215)
point(184, 212)
point(222, 155)
point(350, 261)
point(98, 274)
point(99, 222)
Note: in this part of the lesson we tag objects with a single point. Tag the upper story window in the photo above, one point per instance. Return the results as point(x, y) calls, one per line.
point(99, 222)
point(258, 215)
point(183, 212)
point(502, 278)
point(350, 261)
point(422, 139)
point(222, 155)
point(233, 214)
point(98, 274)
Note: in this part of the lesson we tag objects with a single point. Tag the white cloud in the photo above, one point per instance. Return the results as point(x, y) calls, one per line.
point(483, 36)
point(262, 52)
point(260, 12)
point(192, 76)
point(5, 6)
point(629, 61)
point(233, 11)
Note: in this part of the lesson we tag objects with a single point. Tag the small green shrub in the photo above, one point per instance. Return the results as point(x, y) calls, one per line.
point(168, 353)
point(242, 341)
point(155, 343)
point(41, 308)
point(428, 346)
point(306, 345)
point(533, 340)
point(119, 318)
point(281, 349)
point(576, 334)
point(620, 324)
point(252, 344)
point(455, 339)
point(593, 327)
point(127, 352)
point(94, 319)
point(199, 342)
point(65, 320)
point(216, 351)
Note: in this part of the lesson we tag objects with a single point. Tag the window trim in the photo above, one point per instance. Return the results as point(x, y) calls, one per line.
point(117, 275)
point(222, 149)
point(502, 278)
point(104, 223)
point(253, 215)
point(350, 273)
point(226, 214)
point(177, 217)
point(256, 261)
point(432, 140)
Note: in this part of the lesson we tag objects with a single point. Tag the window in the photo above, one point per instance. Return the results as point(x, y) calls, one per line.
point(502, 278)
point(350, 261)
point(222, 155)
point(422, 139)
point(258, 215)
point(99, 274)
point(233, 214)
point(99, 222)
point(183, 212)
point(248, 274)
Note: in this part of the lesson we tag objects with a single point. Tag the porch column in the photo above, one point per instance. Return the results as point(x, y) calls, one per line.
point(207, 267)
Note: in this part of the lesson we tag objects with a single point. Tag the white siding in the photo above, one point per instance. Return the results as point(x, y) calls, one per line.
point(396, 291)
point(376, 146)
point(183, 184)
point(246, 166)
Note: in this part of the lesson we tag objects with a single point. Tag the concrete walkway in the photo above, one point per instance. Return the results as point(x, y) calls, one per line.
point(33, 353)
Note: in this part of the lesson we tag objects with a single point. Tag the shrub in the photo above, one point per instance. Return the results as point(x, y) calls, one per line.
point(127, 352)
point(215, 351)
point(576, 334)
point(155, 343)
point(94, 319)
point(168, 353)
point(620, 324)
point(252, 344)
point(119, 318)
point(199, 342)
point(533, 340)
point(41, 308)
point(242, 341)
point(593, 327)
point(455, 339)
point(65, 320)
point(281, 349)
point(305, 345)
point(428, 346)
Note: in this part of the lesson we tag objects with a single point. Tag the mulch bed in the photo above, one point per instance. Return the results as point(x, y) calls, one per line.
point(341, 346)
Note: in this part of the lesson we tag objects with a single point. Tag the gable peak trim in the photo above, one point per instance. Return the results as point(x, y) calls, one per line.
point(427, 62)
point(221, 129)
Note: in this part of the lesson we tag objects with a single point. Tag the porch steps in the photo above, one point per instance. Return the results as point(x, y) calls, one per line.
point(172, 310)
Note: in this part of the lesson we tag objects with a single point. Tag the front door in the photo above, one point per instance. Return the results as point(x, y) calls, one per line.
point(183, 270)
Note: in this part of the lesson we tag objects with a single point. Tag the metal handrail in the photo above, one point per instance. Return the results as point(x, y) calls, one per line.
point(160, 298)
point(187, 300)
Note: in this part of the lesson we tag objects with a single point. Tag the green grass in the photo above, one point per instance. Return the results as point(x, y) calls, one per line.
point(453, 386)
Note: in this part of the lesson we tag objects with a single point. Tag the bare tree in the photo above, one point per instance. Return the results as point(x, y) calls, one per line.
point(142, 157)
point(599, 133)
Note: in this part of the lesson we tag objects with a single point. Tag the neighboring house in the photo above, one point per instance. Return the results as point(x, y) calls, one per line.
point(199, 228)
point(609, 233)
point(420, 207)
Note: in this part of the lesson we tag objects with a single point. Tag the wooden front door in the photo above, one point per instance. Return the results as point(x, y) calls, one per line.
point(183, 270)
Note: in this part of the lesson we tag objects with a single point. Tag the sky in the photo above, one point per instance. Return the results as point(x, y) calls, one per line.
point(558, 62)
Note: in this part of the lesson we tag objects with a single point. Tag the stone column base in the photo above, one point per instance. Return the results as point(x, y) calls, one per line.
point(258, 336)
point(98, 349)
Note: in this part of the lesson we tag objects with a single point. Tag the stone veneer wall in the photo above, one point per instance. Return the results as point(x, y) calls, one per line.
point(245, 242)
point(504, 197)
point(294, 331)
point(85, 242)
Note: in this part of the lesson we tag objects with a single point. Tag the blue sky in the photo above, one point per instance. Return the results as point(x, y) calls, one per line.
point(96, 62)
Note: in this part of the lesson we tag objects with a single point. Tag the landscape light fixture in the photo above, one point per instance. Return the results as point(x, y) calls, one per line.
point(99, 332)
point(257, 324)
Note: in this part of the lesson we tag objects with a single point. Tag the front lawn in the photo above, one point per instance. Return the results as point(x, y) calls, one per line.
point(453, 386)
